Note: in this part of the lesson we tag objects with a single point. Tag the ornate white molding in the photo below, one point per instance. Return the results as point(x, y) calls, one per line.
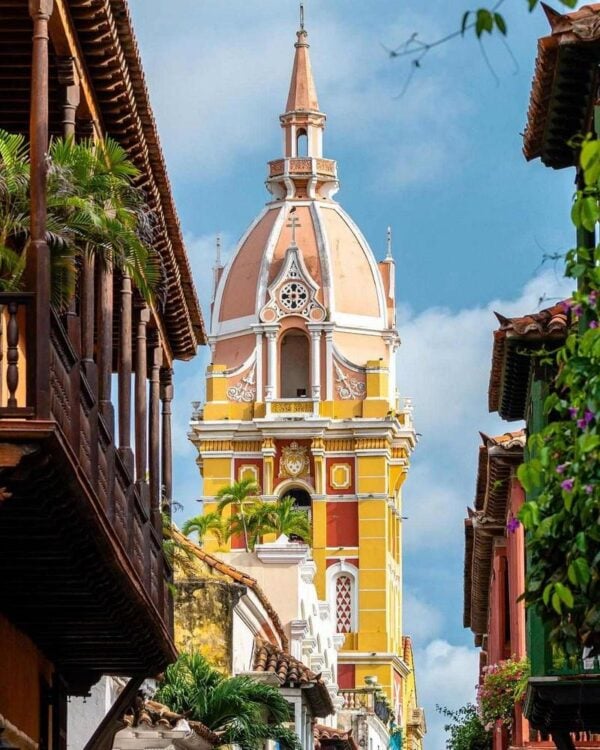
point(245, 390)
point(348, 387)
point(293, 292)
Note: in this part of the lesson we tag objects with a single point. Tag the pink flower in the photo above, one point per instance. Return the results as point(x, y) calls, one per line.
point(578, 310)
point(589, 489)
point(593, 324)
point(572, 411)
point(561, 468)
point(567, 485)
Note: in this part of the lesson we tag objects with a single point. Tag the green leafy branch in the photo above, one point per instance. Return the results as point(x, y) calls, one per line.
point(561, 475)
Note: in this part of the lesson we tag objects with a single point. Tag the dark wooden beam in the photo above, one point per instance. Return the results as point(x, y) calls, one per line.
point(125, 369)
point(154, 426)
point(141, 405)
point(103, 737)
point(105, 344)
point(166, 394)
point(38, 257)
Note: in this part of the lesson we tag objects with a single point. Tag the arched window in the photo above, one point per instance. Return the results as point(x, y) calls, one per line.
point(295, 364)
point(302, 501)
point(342, 593)
point(301, 143)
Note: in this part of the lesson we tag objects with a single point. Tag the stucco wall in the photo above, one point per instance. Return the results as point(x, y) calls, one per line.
point(204, 619)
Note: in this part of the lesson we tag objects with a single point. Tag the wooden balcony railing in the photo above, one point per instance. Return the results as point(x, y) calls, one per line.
point(85, 429)
point(366, 699)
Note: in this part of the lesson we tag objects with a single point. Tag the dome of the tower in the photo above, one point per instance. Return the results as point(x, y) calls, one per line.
point(303, 260)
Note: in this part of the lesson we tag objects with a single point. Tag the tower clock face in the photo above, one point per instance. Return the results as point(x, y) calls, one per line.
point(293, 295)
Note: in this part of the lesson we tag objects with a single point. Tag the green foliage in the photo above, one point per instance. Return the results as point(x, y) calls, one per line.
point(209, 523)
point(503, 684)
point(250, 516)
point(488, 20)
point(94, 210)
point(243, 711)
point(278, 517)
point(561, 475)
point(465, 729)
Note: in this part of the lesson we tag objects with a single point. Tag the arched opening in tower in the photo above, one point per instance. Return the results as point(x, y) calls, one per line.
point(295, 361)
point(302, 143)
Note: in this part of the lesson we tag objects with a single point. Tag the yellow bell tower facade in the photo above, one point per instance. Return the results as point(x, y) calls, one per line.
point(301, 396)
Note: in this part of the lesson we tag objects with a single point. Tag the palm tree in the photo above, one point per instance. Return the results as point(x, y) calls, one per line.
point(265, 517)
point(94, 209)
point(243, 711)
point(284, 517)
point(202, 525)
point(242, 495)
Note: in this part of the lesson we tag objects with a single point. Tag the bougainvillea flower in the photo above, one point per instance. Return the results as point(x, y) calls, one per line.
point(578, 310)
point(593, 324)
point(589, 489)
point(512, 525)
point(560, 469)
point(568, 485)
point(573, 411)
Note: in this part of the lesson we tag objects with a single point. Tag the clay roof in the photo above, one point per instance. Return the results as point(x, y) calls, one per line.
point(303, 92)
point(149, 714)
point(236, 575)
point(563, 85)
point(509, 376)
point(293, 673)
point(105, 32)
point(498, 458)
point(327, 737)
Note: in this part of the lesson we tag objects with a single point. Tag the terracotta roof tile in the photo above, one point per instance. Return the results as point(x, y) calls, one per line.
point(509, 375)
point(236, 575)
point(565, 71)
point(292, 673)
point(327, 737)
point(151, 714)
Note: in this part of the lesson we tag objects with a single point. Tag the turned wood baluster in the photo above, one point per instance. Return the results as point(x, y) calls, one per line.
point(154, 423)
point(12, 354)
point(166, 382)
point(141, 407)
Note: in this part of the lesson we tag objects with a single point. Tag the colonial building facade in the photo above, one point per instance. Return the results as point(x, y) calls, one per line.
point(301, 393)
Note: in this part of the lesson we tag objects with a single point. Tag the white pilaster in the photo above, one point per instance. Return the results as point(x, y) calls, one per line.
point(259, 362)
point(329, 363)
point(315, 339)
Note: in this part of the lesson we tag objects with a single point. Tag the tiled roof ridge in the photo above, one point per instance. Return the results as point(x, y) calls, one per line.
point(151, 713)
point(305, 673)
point(545, 135)
point(508, 440)
point(290, 671)
point(238, 576)
point(551, 324)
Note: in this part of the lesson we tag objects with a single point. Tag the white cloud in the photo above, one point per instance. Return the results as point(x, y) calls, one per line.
point(447, 676)
point(444, 365)
point(422, 621)
point(217, 98)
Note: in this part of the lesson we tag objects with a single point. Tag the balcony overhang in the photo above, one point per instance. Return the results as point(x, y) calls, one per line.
point(565, 704)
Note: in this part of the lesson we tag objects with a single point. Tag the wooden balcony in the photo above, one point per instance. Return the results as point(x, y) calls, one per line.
point(83, 571)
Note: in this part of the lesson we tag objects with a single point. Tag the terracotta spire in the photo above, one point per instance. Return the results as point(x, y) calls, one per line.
point(303, 93)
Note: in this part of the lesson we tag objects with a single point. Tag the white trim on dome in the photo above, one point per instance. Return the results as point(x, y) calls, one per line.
point(215, 322)
point(267, 259)
point(347, 363)
point(324, 257)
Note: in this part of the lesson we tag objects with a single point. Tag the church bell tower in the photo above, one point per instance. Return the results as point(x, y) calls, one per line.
point(301, 394)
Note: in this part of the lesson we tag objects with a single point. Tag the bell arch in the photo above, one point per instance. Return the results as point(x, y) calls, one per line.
point(294, 364)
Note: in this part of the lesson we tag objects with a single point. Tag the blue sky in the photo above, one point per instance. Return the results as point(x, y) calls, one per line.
point(442, 164)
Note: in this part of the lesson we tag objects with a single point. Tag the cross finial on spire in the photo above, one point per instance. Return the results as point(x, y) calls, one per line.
point(389, 255)
point(293, 223)
point(218, 258)
point(301, 16)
